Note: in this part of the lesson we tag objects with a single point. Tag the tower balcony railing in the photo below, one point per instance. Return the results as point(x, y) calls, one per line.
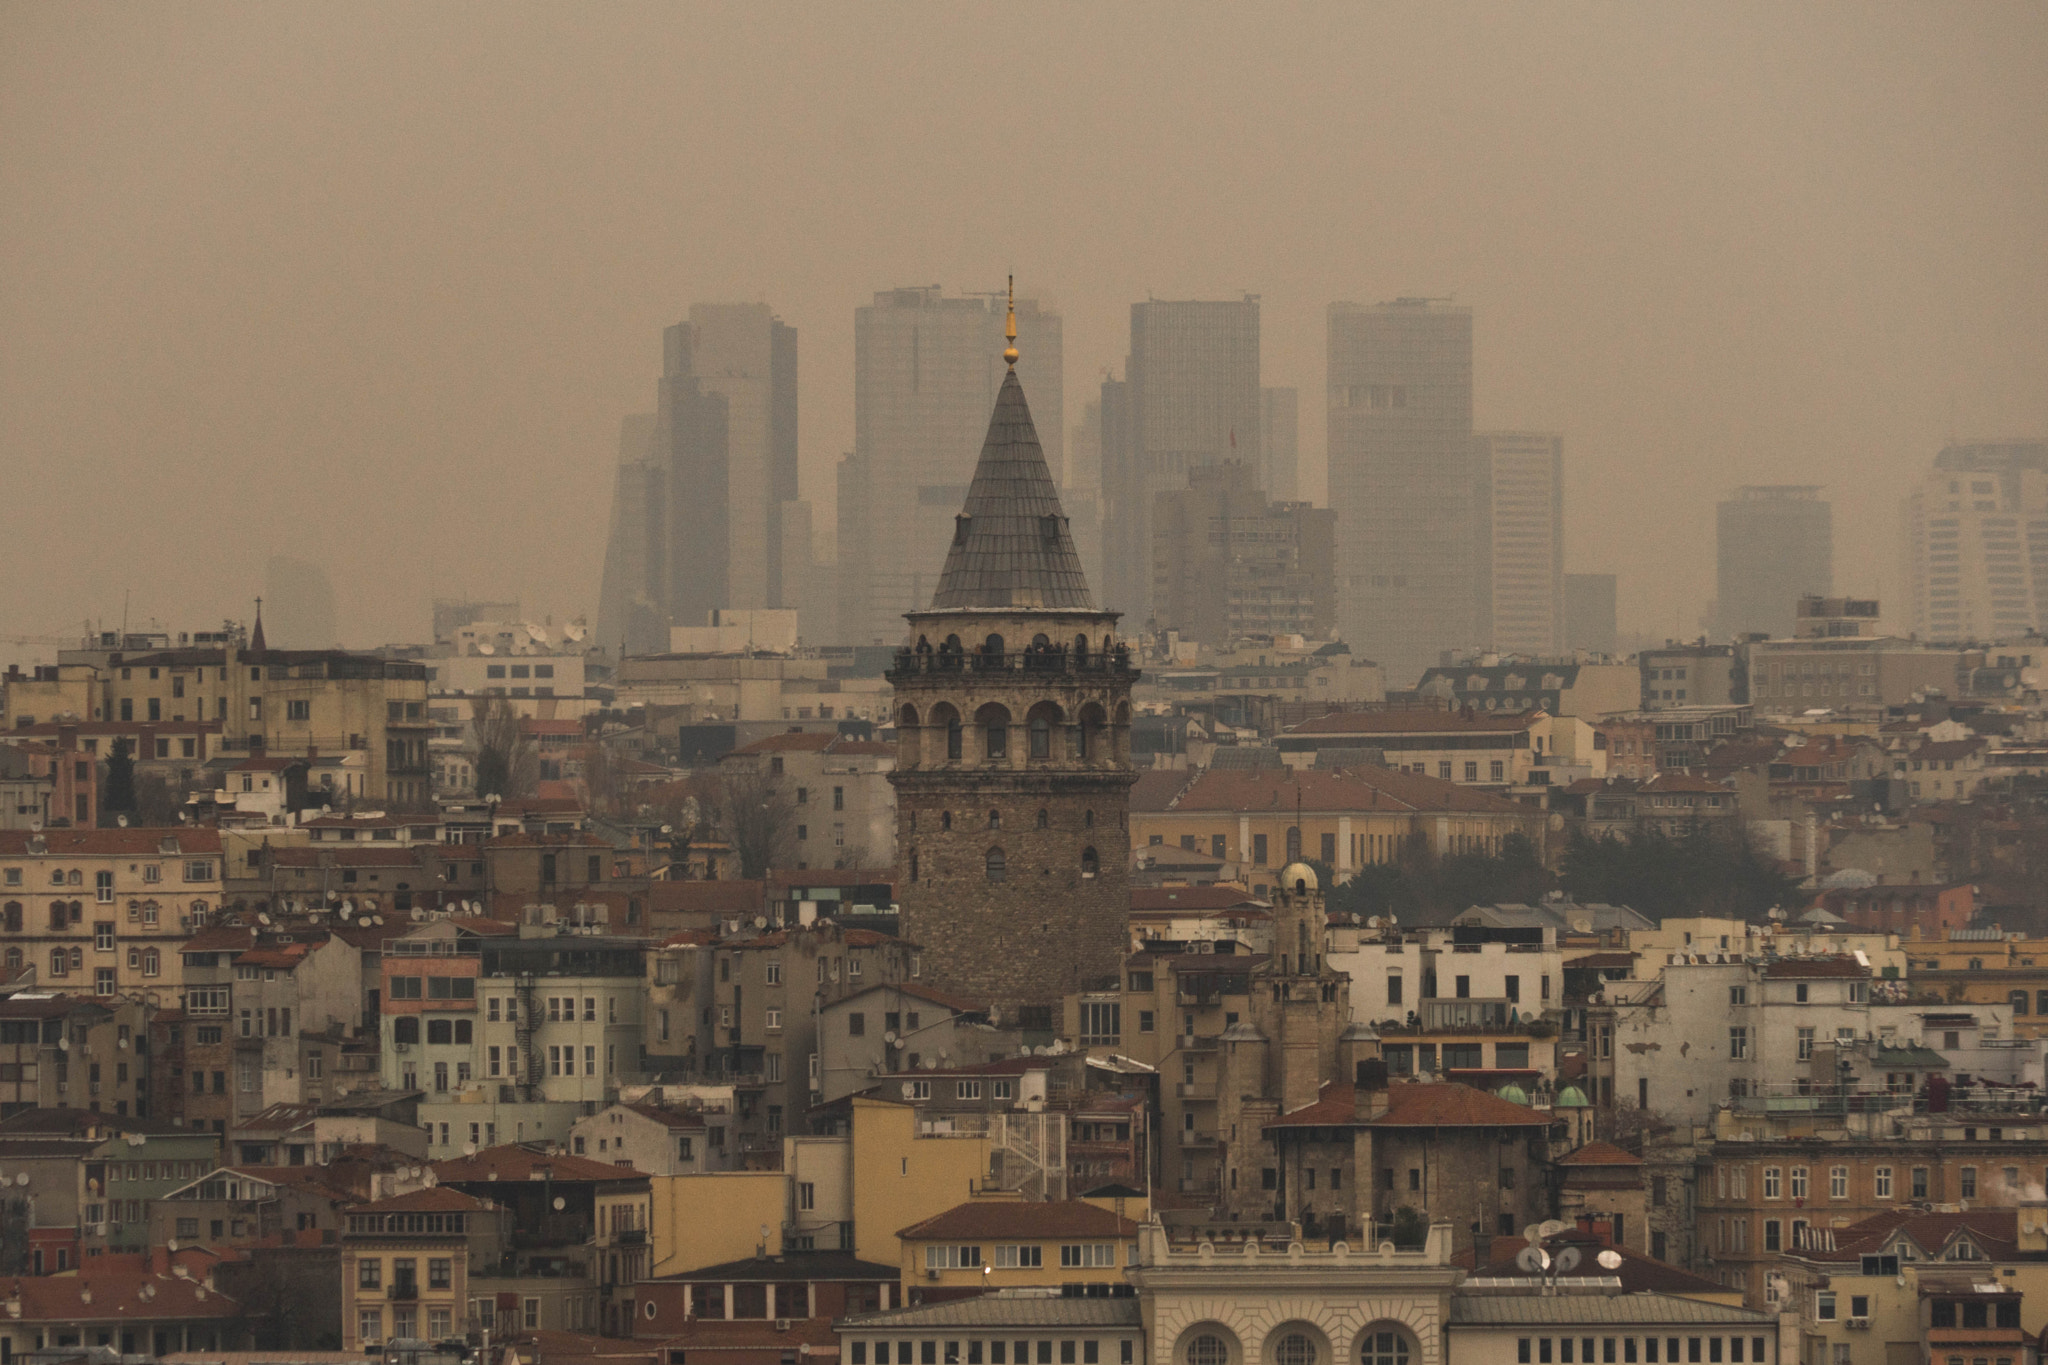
point(1050, 659)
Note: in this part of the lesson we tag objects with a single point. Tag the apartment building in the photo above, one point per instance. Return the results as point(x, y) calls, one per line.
point(74, 1051)
point(757, 1012)
point(406, 1264)
point(843, 805)
point(1001, 1244)
point(512, 1037)
point(1472, 1004)
point(106, 910)
point(1469, 746)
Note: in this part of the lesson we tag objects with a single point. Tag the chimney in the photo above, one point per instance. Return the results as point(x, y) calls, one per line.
point(1369, 1090)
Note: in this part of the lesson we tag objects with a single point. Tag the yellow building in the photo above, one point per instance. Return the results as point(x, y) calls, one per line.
point(405, 1266)
point(1009, 1243)
point(711, 1217)
point(288, 701)
point(1263, 819)
point(902, 1176)
point(106, 910)
point(1983, 967)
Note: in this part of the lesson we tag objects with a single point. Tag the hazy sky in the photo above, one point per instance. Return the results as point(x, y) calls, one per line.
point(375, 283)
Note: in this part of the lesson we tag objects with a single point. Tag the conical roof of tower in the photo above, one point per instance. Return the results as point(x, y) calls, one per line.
point(1011, 546)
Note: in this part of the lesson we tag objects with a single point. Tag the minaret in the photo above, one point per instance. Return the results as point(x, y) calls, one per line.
point(1013, 770)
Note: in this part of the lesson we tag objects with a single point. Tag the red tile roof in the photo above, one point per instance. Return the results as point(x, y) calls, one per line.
point(134, 842)
point(114, 1294)
point(668, 1118)
point(1416, 1104)
point(1948, 749)
point(512, 1162)
point(220, 939)
point(1598, 1153)
point(1023, 1219)
point(1412, 721)
point(1668, 783)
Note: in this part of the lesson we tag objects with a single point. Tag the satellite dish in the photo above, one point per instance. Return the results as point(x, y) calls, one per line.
point(469, 1149)
point(760, 921)
point(1567, 1260)
point(560, 1203)
point(348, 907)
point(1532, 1260)
point(63, 1045)
point(931, 1064)
point(171, 1245)
point(262, 918)
point(22, 1178)
point(418, 914)
point(889, 1037)
point(376, 919)
point(1551, 1227)
point(1610, 1259)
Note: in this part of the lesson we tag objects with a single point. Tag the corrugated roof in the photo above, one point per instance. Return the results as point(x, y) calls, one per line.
point(1005, 1310)
point(1011, 546)
point(1511, 1308)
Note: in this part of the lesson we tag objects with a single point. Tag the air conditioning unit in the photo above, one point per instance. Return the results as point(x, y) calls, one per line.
point(1862, 1323)
point(931, 1274)
point(782, 1324)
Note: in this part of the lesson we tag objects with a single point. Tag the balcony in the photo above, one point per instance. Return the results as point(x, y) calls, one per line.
point(1190, 1138)
point(1199, 1042)
point(1058, 659)
point(631, 1237)
point(403, 1291)
point(1193, 1090)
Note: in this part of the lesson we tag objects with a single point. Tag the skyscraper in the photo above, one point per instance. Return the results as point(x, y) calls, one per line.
point(1775, 545)
point(1589, 612)
point(1280, 444)
point(697, 504)
point(727, 424)
point(1977, 543)
point(1190, 398)
point(1402, 481)
point(926, 371)
point(1520, 482)
point(632, 611)
point(1227, 563)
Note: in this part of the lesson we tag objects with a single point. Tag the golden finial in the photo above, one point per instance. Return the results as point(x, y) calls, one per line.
point(1010, 326)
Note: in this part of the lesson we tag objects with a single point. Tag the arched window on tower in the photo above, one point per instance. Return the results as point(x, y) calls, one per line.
point(955, 738)
point(1044, 818)
point(995, 865)
point(995, 729)
point(1041, 737)
point(945, 820)
point(1090, 864)
point(913, 864)
point(1087, 819)
point(995, 819)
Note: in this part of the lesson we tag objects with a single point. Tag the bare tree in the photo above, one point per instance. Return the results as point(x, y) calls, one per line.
point(506, 764)
point(603, 783)
point(756, 815)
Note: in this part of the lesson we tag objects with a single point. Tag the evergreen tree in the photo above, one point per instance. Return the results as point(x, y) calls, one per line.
point(119, 797)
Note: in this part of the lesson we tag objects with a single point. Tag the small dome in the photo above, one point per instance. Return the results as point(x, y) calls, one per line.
point(1298, 877)
point(1571, 1097)
point(1513, 1094)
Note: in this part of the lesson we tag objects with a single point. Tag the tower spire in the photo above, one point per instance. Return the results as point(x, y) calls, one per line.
point(1010, 327)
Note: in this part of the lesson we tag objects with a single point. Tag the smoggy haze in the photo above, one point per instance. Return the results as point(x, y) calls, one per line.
point(374, 284)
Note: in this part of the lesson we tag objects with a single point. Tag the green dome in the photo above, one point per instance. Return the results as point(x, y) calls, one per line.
point(1513, 1093)
point(1571, 1097)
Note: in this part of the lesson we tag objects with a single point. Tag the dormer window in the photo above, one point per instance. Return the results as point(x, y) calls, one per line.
point(960, 526)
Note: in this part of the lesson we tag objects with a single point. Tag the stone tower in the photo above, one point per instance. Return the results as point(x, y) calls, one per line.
point(1013, 772)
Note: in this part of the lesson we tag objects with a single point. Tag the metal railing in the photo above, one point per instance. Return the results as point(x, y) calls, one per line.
point(1050, 659)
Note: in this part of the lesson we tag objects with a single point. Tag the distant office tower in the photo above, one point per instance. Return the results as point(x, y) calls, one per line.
point(1519, 476)
point(807, 577)
point(1082, 495)
point(1227, 563)
point(1775, 546)
point(1589, 616)
point(1190, 398)
point(701, 482)
point(1977, 543)
point(632, 612)
point(1280, 444)
point(926, 369)
point(298, 605)
point(1402, 482)
point(727, 425)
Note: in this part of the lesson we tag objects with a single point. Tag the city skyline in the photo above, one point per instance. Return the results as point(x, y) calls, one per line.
point(1802, 254)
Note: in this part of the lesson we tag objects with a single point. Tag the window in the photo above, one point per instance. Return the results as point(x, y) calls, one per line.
point(1101, 1023)
point(1806, 1045)
point(1838, 1182)
point(1967, 1186)
point(1919, 1182)
point(1881, 1182)
point(1738, 1044)
point(1296, 1348)
point(1207, 1349)
point(1799, 1182)
point(1824, 1306)
point(1019, 1257)
point(994, 865)
point(1772, 1177)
